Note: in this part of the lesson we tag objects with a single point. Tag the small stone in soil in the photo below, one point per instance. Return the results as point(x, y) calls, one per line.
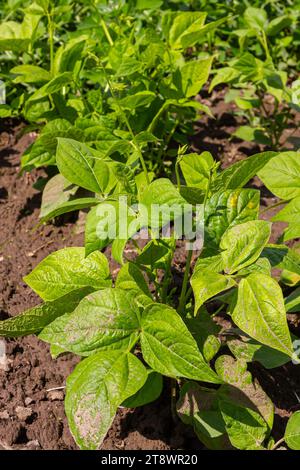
point(23, 413)
point(56, 395)
point(28, 400)
point(4, 414)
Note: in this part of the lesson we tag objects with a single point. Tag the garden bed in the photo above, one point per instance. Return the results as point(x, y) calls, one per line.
point(31, 395)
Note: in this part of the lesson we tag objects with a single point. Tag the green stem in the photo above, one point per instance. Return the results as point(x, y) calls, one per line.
point(106, 32)
point(123, 114)
point(152, 126)
point(185, 282)
point(177, 175)
point(279, 203)
point(277, 444)
point(51, 42)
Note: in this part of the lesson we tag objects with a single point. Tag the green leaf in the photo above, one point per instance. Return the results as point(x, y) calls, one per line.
point(95, 389)
point(241, 390)
point(190, 38)
point(51, 87)
point(106, 319)
point(194, 74)
point(57, 191)
point(225, 209)
point(243, 244)
point(290, 214)
point(150, 391)
point(256, 18)
point(282, 257)
point(30, 74)
point(162, 192)
point(260, 312)
point(66, 270)
point(281, 175)
point(246, 428)
point(292, 432)
point(238, 174)
point(196, 169)
point(206, 284)
point(198, 407)
point(83, 166)
point(250, 350)
point(36, 318)
point(141, 98)
point(130, 277)
point(70, 206)
point(169, 348)
point(184, 24)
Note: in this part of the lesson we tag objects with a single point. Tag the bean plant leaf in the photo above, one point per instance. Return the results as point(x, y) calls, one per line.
point(149, 392)
point(184, 24)
point(66, 270)
point(106, 319)
point(260, 312)
point(281, 175)
point(226, 209)
point(196, 169)
point(292, 431)
point(57, 191)
point(238, 174)
point(95, 389)
point(243, 244)
point(246, 428)
point(83, 166)
point(240, 389)
point(36, 318)
point(250, 350)
point(206, 284)
point(169, 348)
point(194, 75)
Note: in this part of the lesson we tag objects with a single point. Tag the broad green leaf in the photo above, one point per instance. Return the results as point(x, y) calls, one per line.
point(194, 74)
point(291, 214)
point(95, 389)
point(243, 244)
point(260, 312)
point(281, 175)
point(223, 75)
point(198, 407)
point(36, 318)
point(278, 24)
point(262, 265)
point(30, 74)
point(196, 169)
point(226, 209)
point(142, 98)
point(206, 284)
point(190, 38)
point(156, 254)
point(211, 263)
point(163, 195)
point(130, 277)
point(256, 18)
point(246, 428)
point(169, 348)
point(66, 270)
point(57, 191)
point(83, 166)
point(185, 23)
point(250, 350)
point(282, 257)
point(70, 206)
point(150, 391)
point(292, 431)
point(292, 301)
point(106, 319)
point(51, 87)
point(241, 390)
point(238, 174)
point(11, 37)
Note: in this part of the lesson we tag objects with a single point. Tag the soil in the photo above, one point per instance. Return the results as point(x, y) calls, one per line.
point(31, 414)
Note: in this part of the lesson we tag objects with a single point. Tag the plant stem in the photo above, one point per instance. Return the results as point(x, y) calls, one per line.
point(123, 114)
point(279, 203)
point(152, 125)
point(177, 175)
point(106, 32)
point(185, 282)
point(277, 444)
point(51, 42)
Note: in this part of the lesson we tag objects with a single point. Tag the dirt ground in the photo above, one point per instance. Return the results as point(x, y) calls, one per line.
point(31, 414)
